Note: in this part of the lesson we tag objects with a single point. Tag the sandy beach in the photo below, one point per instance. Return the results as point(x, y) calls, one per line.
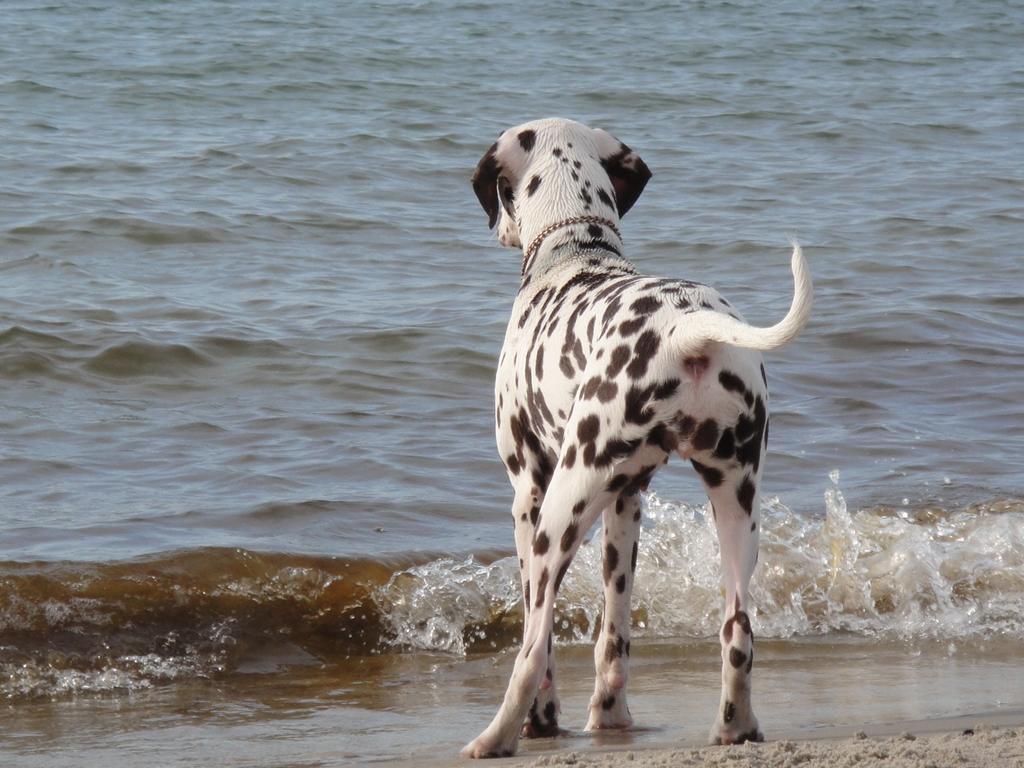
point(992, 739)
point(972, 746)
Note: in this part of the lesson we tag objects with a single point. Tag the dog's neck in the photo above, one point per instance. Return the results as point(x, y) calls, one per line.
point(579, 239)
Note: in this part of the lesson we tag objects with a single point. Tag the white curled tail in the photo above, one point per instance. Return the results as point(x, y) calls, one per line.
point(707, 325)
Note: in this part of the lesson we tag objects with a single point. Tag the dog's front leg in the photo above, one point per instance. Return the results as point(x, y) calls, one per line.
point(611, 652)
point(570, 506)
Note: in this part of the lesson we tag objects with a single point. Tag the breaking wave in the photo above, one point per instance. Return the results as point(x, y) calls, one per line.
point(913, 574)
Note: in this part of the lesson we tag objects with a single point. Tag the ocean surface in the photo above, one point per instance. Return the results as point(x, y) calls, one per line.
point(250, 314)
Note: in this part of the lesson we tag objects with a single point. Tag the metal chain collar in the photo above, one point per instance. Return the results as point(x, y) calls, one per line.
point(539, 239)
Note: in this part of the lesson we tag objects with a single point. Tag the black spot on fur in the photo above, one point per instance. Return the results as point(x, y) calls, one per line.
point(533, 186)
point(744, 621)
point(663, 437)
point(561, 575)
point(707, 435)
point(741, 618)
point(620, 583)
point(617, 483)
point(632, 559)
point(541, 543)
point(588, 429)
point(607, 391)
point(629, 327)
point(645, 305)
point(640, 480)
point(590, 388)
point(685, 426)
point(542, 474)
point(731, 382)
point(512, 463)
point(666, 389)
point(646, 347)
point(579, 507)
point(637, 410)
point(611, 561)
point(549, 709)
point(712, 477)
point(608, 703)
point(614, 450)
point(605, 198)
point(737, 657)
point(527, 139)
point(565, 365)
point(569, 537)
point(745, 495)
point(570, 457)
point(726, 445)
point(542, 587)
point(619, 358)
point(749, 453)
point(729, 712)
point(612, 650)
point(744, 428)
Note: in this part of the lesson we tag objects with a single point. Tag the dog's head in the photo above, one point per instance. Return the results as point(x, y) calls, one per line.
point(579, 168)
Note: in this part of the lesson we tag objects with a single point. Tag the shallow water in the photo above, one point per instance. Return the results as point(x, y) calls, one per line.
point(424, 707)
point(250, 313)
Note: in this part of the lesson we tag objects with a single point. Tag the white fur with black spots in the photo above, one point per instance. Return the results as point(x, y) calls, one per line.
point(603, 375)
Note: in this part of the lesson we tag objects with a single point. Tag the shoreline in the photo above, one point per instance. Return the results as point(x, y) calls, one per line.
point(979, 739)
point(812, 696)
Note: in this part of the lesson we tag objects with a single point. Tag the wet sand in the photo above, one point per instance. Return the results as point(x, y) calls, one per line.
point(290, 709)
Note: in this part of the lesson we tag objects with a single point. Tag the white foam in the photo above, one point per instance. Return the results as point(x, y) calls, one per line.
point(932, 574)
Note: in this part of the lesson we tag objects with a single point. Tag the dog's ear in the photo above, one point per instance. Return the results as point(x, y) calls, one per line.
point(504, 161)
point(485, 183)
point(629, 174)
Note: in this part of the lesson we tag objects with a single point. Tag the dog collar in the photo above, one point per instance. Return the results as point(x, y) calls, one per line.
point(551, 228)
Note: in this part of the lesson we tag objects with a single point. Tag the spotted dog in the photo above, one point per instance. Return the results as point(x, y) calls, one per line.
point(604, 374)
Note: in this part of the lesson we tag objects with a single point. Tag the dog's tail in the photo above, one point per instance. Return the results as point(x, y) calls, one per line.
point(707, 325)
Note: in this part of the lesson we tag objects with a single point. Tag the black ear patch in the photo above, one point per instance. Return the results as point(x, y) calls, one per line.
point(485, 184)
point(506, 195)
point(527, 139)
point(629, 175)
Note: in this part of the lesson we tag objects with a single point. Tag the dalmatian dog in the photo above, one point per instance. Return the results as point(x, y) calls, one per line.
point(604, 374)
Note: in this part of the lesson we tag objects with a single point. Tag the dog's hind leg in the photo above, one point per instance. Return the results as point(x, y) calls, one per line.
point(574, 497)
point(611, 652)
point(734, 503)
point(543, 717)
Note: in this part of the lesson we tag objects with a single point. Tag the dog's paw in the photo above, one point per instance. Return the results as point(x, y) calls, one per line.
point(609, 711)
point(484, 748)
point(541, 731)
point(543, 718)
point(735, 733)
